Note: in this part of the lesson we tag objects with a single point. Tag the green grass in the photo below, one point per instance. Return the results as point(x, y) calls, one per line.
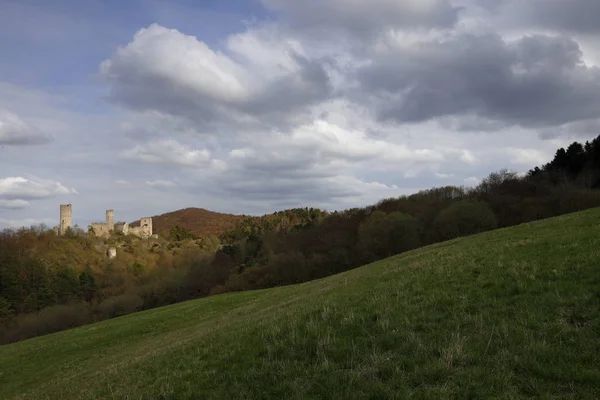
point(512, 313)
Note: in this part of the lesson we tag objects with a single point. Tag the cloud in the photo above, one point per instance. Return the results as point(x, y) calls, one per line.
point(25, 222)
point(472, 181)
point(167, 71)
point(323, 150)
point(468, 157)
point(360, 17)
point(470, 123)
point(315, 159)
point(161, 184)
point(287, 190)
point(13, 204)
point(168, 151)
point(584, 128)
point(513, 82)
point(527, 157)
point(321, 141)
point(19, 188)
point(15, 131)
point(575, 16)
point(154, 125)
point(314, 163)
point(444, 176)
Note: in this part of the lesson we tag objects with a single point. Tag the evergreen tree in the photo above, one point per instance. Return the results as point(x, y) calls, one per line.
point(87, 285)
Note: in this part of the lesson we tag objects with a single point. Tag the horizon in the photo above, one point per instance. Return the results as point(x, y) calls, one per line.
point(252, 107)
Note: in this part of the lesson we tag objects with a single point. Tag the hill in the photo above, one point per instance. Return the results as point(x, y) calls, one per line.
point(198, 221)
point(510, 313)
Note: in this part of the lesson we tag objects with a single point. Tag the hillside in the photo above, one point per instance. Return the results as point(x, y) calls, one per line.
point(511, 313)
point(198, 221)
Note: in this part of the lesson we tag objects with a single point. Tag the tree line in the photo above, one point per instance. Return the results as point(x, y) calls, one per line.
point(287, 247)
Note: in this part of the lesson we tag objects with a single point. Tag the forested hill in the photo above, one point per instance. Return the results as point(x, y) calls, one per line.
point(198, 221)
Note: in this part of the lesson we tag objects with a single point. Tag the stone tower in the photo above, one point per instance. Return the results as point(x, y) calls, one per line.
point(110, 220)
point(146, 227)
point(66, 218)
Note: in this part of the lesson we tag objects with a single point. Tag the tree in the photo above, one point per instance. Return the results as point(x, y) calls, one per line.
point(6, 312)
point(65, 283)
point(87, 285)
point(463, 218)
point(206, 273)
point(288, 268)
point(178, 233)
point(383, 235)
point(576, 159)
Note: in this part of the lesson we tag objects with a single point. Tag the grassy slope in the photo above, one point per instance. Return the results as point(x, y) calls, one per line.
point(512, 313)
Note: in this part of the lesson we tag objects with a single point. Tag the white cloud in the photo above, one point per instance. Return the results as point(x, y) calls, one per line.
point(168, 151)
point(527, 157)
point(182, 60)
point(472, 181)
point(18, 188)
point(166, 71)
point(161, 183)
point(468, 157)
point(15, 131)
point(25, 222)
point(268, 51)
point(13, 204)
point(323, 142)
point(444, 176)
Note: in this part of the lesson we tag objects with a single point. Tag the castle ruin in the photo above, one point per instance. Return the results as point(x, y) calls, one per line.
point(122, 227)
point(144, 230)
point(104, 229)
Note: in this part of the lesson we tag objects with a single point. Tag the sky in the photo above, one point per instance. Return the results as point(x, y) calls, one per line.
point(254, 106)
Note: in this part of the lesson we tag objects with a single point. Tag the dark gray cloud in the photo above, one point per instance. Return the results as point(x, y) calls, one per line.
point(584, 129)
point(534, 81)
point(309, 85)
point(262, 189)
point(580, 16)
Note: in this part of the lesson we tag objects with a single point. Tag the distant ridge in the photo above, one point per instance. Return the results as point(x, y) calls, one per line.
point(199, 221)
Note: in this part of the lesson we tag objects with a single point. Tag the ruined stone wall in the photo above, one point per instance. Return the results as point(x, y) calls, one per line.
point(144, 230)
point(111, 252)
point(122, 227)
point(100, 229)
point(66, 218)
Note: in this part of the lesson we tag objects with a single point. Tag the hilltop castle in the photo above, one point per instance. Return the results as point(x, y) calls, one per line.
point(104, 229)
